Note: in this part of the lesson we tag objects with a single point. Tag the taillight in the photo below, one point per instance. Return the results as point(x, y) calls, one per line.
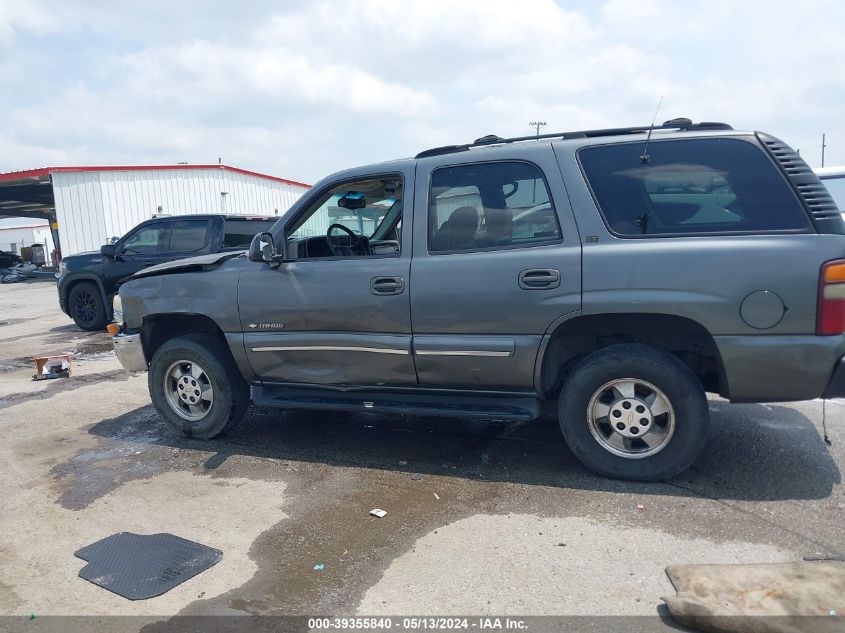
point(830, 317)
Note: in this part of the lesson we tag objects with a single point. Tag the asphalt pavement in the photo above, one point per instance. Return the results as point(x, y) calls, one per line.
point(483, 517)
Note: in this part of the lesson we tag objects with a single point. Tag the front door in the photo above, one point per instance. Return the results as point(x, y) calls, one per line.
point(497, 260)
point(158, 242)
point(337, 311)
point(144, 246)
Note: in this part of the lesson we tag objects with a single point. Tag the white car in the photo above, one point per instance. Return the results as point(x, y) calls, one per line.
point(834, 179)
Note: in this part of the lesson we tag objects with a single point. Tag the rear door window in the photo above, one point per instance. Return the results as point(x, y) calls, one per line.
point(690, 186)
point(238, 233)
point(490, 205)
point(188, 236)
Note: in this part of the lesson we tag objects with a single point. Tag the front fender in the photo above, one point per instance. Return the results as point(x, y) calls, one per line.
point(71, 279)
point(213, 294)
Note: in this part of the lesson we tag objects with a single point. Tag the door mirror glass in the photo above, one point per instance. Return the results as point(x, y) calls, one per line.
point(107, 250)
point(262, 249)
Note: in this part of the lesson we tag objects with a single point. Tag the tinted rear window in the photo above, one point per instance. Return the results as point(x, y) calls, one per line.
point(188, 236)
point(690, 186)
point(239, 233)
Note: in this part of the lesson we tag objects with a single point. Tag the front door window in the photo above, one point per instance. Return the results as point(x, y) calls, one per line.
point(147, 240)
point(353, 219)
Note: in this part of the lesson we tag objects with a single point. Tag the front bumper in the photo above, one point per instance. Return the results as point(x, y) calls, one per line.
point(62, 298)
point(130, 352)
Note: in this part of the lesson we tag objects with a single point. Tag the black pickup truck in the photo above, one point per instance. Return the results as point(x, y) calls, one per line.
point(88, 281)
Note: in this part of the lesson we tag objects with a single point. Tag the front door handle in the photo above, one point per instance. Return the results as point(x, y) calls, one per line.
point(387, 285)
point(539, 279)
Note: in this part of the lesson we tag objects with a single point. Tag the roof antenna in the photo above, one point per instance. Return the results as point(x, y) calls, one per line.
point(644, 157)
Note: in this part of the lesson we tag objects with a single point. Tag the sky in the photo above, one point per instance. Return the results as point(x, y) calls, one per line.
point(303, 89)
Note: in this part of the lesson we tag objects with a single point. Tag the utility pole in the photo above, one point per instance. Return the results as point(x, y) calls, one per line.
point(823, 146)
point(537, 125)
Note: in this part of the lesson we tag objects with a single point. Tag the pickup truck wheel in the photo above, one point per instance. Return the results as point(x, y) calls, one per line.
point(86, 306)
point(196, 386)
point(633, 412)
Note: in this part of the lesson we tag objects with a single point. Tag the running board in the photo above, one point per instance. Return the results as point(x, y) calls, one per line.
point(469, 406)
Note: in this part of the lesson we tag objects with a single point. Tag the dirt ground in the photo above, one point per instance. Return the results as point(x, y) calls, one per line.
point(483, 517)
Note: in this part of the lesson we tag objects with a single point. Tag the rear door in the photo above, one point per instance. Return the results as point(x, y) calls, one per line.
point(188, 238)
point(497, 260)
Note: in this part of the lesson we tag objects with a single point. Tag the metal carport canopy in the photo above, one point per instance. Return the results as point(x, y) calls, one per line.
point(27, 194)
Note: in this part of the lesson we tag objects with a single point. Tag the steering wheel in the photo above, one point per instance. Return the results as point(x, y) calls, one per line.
point(356, 242)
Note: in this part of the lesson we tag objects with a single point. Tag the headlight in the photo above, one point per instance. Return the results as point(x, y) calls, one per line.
point(62, 268)
point(117, 310)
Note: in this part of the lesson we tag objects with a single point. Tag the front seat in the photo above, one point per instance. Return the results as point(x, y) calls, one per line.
point(498, 225)
point(458, 232)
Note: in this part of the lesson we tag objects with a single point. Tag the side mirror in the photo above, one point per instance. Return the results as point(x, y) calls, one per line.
point(107, 250)
point(262, 249)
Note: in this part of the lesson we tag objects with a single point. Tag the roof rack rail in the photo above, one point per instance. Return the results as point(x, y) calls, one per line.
point(491, 139)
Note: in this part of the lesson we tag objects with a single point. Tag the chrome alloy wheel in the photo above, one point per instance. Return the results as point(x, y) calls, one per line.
point(188, 390)
point(631, 418)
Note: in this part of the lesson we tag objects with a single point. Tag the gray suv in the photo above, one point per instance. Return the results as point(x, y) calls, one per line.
point(619, 273)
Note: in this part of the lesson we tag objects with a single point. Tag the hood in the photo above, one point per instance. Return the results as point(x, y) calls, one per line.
point(200, 263)
point(87, 255)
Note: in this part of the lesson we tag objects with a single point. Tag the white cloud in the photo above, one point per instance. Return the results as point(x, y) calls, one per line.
point(627, 12)
point(17, 17)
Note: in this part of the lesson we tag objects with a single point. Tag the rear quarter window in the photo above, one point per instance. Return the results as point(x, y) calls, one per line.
point(690, 186)
point(836, 186)
point(239, 233)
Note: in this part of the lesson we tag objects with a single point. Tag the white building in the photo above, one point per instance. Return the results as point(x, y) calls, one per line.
point(87, 206)
point(19, 233)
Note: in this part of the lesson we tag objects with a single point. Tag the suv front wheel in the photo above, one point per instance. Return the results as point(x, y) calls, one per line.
point(86, 306)
point(634, 412)
point(196, 386)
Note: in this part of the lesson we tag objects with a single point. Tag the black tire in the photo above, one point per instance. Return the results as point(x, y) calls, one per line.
point(230, 391)
point(681, 388)
point(86, 307)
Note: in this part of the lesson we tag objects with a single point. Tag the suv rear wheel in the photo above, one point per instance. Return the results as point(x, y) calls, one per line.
point(196, 387)
point(633, 412)
point(86, 306)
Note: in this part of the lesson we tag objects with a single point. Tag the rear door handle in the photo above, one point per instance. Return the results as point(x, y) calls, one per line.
point(539, 279)
point(387, 285)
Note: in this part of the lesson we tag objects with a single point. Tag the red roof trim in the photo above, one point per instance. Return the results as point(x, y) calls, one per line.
point(46, 171)
point(24, 175)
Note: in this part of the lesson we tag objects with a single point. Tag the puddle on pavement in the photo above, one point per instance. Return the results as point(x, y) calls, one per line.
point(111, 462)
point(61, 385)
